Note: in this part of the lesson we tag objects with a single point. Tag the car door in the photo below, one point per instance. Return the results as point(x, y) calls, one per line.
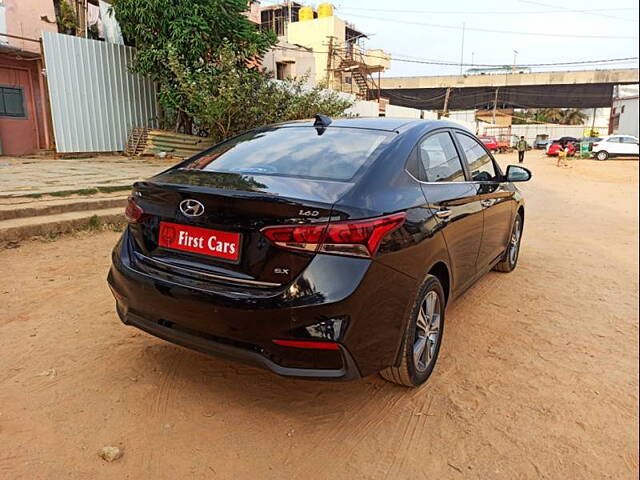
point(613, 146)
point(496, 198)
point(629, 145)
point(455, 202)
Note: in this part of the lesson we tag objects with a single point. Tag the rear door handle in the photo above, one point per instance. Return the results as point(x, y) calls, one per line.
point(488, 202)
point(443, 213)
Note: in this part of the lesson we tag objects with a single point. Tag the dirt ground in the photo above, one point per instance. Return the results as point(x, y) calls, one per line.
point(537, 378)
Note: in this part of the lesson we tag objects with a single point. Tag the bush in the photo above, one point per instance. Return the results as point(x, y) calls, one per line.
point(225, 98)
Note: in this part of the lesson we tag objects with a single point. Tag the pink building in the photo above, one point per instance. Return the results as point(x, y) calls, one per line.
point(23, 119)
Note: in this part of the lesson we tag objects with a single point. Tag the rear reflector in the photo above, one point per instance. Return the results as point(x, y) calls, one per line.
point(133, 212)
point(359, 238)
point(307, 344)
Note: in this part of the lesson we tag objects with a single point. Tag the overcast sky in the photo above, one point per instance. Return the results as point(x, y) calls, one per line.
point(559, 31)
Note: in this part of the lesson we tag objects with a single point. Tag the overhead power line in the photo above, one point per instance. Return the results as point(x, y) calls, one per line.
point(425, 61)
point(586, 12)
point(490, 12)
point(523, 65)
point(507, 32)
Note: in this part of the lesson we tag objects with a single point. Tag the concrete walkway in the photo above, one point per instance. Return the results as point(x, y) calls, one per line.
point(20, 177)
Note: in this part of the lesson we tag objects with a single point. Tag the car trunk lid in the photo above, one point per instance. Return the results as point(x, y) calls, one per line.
point(223, 242)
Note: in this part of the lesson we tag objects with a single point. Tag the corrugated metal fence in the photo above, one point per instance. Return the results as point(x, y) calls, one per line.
point(95, 100)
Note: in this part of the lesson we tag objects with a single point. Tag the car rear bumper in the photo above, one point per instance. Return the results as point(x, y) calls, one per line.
point(349, 371)
point(336, 297)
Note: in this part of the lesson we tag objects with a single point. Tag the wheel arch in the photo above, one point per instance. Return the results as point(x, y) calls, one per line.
point(521, 212)
point(440, 270)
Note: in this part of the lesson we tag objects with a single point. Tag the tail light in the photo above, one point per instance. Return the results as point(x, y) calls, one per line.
point(360, 238)
point(133, 212)
point(594, 144)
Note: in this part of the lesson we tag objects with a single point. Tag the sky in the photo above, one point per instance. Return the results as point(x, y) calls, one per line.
point(544, 31)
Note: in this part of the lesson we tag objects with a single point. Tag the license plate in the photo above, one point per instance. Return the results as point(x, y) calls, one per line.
point(205, 241)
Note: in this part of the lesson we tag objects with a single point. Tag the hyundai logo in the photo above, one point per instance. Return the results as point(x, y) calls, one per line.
point(191, 207)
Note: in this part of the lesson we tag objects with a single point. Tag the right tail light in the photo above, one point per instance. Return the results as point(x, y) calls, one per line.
point(359, 238)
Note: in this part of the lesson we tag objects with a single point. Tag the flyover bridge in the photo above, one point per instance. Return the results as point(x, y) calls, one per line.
point(569, 89)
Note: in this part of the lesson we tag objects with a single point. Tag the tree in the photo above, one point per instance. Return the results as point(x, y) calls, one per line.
point(562, 116)
point(226, 98)
point(573, 116)
point(193, 33)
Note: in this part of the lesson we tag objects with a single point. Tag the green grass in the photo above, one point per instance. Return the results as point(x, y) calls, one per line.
point(118, 188)
point(82, 191)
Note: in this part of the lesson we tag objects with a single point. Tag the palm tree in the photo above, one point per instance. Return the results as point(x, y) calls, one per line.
point(573, 116)
point(549, 115)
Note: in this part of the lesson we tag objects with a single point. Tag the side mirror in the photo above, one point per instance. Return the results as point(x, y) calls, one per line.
point(516, 173)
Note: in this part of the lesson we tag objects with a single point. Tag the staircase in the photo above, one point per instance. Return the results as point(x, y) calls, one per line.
point(358, 76)
point(22, 218)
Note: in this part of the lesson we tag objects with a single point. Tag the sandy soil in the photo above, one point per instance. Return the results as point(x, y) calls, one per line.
point(538, 376)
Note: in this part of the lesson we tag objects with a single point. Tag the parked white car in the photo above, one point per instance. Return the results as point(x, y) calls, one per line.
point(616, 146)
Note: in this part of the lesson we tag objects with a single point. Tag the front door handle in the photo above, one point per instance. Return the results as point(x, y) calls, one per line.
point(443, 213)
point(488, 202)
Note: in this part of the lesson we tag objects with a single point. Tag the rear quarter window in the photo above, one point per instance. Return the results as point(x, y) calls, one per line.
point(333, 153)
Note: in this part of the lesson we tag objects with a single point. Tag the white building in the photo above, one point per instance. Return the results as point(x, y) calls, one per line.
point(624, 112)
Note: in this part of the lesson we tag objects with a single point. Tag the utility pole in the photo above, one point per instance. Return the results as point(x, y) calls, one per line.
point(81, 16)
point(495, 106)
point(515, 56)
point(445, 110)
point(330, 62)
point(464, 25)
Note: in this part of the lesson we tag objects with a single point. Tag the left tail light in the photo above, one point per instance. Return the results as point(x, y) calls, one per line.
point(133, 212)
point(360, 238)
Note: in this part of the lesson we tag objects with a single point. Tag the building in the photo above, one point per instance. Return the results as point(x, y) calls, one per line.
point(624, 112)
point(288, 60)
point(24, 126)
point(341, 61)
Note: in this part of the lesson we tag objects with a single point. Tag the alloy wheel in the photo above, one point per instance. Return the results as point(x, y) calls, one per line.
point(514, 246)
point(427, 331)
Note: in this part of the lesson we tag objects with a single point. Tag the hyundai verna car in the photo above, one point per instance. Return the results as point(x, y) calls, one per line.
point(323, 250)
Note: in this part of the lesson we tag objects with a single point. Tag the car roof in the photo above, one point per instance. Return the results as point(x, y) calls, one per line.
point(389, 124)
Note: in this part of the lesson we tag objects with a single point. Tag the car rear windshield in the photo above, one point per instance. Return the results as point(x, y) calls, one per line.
point(333, 153)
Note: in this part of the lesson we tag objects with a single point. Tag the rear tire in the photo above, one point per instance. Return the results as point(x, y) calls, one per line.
point(510, 259)
point(602, 155)
point(422, 338)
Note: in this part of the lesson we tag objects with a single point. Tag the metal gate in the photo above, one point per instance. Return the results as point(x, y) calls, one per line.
point(95, 99)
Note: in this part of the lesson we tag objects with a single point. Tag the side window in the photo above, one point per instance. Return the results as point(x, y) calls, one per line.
point(629, 140)
point(440, 159)
point(615, 140)
point(480, 163)
point(11, 102)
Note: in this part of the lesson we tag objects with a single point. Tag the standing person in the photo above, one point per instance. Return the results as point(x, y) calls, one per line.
point(563, 153)
point(521, 146)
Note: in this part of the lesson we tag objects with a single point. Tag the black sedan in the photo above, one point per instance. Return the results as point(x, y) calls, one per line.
point(323, 249)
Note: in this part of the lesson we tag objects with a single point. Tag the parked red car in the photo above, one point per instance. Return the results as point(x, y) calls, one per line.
point(554, 147)
point(490, 142)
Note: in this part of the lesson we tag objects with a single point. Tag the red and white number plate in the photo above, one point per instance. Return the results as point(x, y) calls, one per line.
point(205, 241)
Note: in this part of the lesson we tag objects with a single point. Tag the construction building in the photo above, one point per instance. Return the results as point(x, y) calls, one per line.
point(341, 62)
